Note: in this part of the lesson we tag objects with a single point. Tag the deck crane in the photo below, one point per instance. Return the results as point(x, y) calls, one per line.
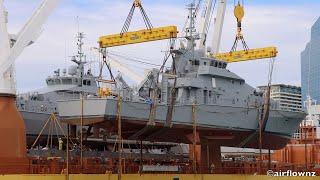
point(12, 130)
point(234, 55)
point(11, 48)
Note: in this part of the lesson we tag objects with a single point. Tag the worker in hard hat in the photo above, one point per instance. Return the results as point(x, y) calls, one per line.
point(212, 167)
point(60, 144)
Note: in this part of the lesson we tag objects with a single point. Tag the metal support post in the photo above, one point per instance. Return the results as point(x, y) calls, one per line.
point(194, 155)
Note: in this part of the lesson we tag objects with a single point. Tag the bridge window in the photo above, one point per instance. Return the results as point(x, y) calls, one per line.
point(224, 65)
point(57, 81)
point(67, 81)
point(86, 82)
point(50, 82)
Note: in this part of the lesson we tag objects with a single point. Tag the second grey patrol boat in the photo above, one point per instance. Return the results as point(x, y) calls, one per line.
point(37, 106)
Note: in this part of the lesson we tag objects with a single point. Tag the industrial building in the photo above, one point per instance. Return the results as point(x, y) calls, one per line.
point(305, 144)
point(287, 97)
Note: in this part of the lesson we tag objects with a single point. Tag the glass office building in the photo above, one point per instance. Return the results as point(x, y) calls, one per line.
point(310, 65)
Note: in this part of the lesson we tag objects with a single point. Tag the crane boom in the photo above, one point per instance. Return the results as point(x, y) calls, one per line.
point(31, 30)
point(205, 22)
point(5, 86)
point(4, 35)
point(29, 33)
point(218, 25)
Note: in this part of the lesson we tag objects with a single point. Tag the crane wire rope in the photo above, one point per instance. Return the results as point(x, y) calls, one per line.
point(210, 20)
point(147, 22)
point(234, 2)
point(133, 59)
point(239, 14)
point(271, 70)
point(149, 60)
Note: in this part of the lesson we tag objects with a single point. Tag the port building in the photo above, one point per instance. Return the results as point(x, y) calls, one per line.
point(286, 97)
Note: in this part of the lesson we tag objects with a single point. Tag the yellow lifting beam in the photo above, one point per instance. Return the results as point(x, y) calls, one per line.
point(247, 55)
point(140, 36)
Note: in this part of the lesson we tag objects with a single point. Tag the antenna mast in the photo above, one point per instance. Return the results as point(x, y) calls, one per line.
point(191, 35)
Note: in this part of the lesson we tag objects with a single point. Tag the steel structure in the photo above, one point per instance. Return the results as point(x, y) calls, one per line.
point(12, 130)
point(140, 36)
point(28, 34)
point(246, 55)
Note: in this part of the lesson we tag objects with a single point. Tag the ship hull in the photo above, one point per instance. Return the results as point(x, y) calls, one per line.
point(34, 122)
point(223, 125)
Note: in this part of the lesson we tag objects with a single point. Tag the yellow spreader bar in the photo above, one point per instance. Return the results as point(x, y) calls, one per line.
point(141, 36)
point(251, 54)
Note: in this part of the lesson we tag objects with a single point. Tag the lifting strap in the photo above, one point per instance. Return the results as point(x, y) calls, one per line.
point(136, 4)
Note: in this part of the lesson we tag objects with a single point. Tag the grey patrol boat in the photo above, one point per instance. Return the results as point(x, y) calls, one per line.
point(37, 106)
point(196, 90)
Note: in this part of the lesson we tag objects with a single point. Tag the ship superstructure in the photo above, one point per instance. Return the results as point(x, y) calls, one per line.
point(37, 106)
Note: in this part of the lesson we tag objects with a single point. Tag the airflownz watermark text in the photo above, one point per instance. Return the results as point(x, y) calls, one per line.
point(290, 173)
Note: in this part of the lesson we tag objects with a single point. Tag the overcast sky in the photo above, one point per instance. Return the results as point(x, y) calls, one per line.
point(282, 23)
